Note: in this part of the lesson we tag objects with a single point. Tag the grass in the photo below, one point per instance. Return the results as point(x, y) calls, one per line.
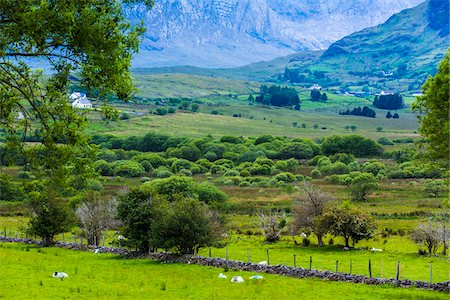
point(25, 273)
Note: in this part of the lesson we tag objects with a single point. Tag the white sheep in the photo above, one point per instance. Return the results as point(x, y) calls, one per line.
point(375, 250)
point(60, 275)
point(222, 276)
point(237, 279)
point(263, 263)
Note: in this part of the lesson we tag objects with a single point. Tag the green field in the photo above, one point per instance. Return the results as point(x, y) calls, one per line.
point(25, 273)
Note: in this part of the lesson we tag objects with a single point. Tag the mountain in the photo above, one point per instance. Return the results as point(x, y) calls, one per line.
point(229, 33)
point(409, 45)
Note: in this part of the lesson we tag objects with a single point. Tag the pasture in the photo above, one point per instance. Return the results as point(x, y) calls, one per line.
point(25, 273)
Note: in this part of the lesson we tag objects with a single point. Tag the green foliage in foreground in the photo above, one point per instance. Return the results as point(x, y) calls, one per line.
point(26, 272)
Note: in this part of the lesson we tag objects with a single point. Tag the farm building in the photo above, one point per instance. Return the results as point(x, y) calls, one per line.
point(80, 100)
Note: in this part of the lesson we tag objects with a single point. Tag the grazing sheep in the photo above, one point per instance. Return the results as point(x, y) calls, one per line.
point(237, 279)
point(121, 237)
point(346, 248)
point(60, 275)
point(263, 263)
point(375, 250)
point(256, 277)
point(222, 276)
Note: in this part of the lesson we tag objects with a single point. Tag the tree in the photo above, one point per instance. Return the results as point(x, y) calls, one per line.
point(349, 223)
point(353, 127)
point(395, 116)
point(315, 95)
point(388, 115)
point(308, 210)
point(324, 97)
point(195, 107)
point(51, 216)
point(185, 225)
point(379, 129)
point(433, 109)
point(95, 216)
point(361, 184)
point(427, 234)
point(434, 187)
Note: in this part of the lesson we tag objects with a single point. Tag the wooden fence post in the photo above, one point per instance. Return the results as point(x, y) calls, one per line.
point(431, 273)
point(268, 258)
point(337, 266)
point(397, 276)
point(63, 237)
point(370, 269)
point(351, 266)
point(310, 263)
point(209, 252)
point(4, 232)
point(295, 261)
point(248, 255)
point(226, 253)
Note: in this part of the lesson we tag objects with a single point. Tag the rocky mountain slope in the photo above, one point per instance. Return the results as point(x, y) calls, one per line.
point(227, 33)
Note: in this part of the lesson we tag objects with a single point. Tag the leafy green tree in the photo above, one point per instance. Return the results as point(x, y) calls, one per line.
point(361, 184)
point(185, 225)
point(137, 212)
point(353, 127)
point(315, 95)
point(349, 223)
point(51, 216)
point(324, 97)
point(434, 187)
point(195, 107)
point(433, 109)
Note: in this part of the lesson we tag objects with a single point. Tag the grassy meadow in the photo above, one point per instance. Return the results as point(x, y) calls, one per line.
point(25, 273)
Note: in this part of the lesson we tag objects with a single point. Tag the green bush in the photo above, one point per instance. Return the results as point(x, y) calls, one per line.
point(127, 168)
point(285, 177)
point(104, 168)
point(315, 173)
point(385, 141)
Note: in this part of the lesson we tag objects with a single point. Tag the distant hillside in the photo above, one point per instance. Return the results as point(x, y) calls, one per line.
point(230, 33)
point(192, 86)
point(409, 45)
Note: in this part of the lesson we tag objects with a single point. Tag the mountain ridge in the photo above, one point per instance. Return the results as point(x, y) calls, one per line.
point(230, 33)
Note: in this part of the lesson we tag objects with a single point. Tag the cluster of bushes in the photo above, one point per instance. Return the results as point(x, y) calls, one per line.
point(394, 101)
point(278, 96)
point(365, 112)
point(317, 96)
point(174, 213)
point(416, 169)
point(394, 116)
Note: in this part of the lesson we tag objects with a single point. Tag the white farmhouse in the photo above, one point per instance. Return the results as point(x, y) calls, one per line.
point(80, 100)
point(315, 87)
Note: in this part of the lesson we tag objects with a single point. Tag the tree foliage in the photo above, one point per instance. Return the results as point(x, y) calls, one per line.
point(433, 109)
point(394, 101)
point(349, 223)
point(278, 96)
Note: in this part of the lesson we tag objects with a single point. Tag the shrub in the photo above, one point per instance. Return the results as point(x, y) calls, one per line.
point(285, 177)
point(385, 141)
point(315, 173)
point(104, 168)
point(161, 111)
point(352, 144)
point(127, 168)
point(231, 139)
point(163, 174)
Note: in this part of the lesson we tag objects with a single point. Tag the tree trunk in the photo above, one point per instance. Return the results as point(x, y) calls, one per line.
point(319, 240)
point(346, 242)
